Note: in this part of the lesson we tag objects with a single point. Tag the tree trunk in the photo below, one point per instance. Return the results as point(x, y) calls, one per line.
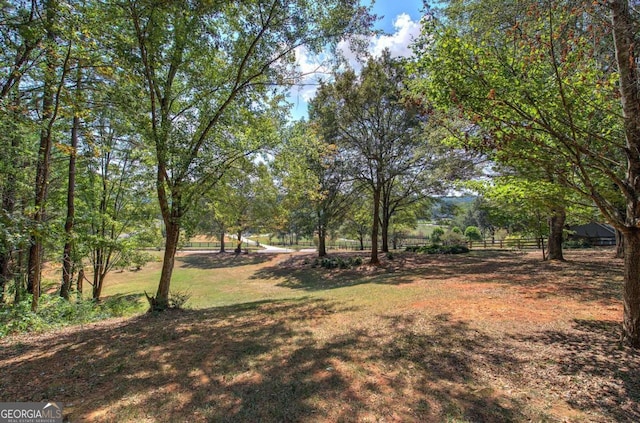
point(98, 283)
point(44, 155)
point(161, 301)
point(384, 228)
point(80, 282)
point(67, 261)
point(631, 293)
point(624, 31)
point(376, 223)
point(5, 274)
point(556, 228)
point(222, 250)
point(361, 239)
point(619, 244)
point(35, 270)
point(322, 237)
point(238, 249)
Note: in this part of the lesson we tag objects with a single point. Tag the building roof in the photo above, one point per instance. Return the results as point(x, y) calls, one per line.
point(593, 230)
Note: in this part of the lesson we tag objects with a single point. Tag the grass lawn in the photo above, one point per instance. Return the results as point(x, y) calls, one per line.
point(488, 336)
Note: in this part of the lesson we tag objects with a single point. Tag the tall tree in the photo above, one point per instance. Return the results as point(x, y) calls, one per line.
point(67, 261)
point(539, 78)
point(117, 214)
point(627, 53)
point(55, 68)
point(245, 201)
point(359, 220)
point(380, 136)
point(206, 67)
point(318, 188)
point(21, 35)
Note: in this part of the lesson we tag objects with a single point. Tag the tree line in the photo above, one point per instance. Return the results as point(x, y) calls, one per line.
point(117, 113)
point(126, 123)
point(549, 91)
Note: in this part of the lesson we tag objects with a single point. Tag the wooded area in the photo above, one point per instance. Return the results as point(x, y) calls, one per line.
point(136, 123)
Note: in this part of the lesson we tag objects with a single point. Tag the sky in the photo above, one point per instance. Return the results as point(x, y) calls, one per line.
point(400, 25)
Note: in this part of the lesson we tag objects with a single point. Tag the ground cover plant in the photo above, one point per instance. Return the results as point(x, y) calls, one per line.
point(484, 336)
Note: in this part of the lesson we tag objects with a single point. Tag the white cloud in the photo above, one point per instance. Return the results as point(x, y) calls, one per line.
point(398, 43)
point(313, 69)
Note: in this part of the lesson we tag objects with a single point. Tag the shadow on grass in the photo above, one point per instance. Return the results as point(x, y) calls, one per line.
point(603, 374)
point(319, 279)
point(261, 362)
point(581, 278)
point(221, 260)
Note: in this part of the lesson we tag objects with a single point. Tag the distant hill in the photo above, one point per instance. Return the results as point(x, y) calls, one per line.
point(447, 207)
point(465, 199)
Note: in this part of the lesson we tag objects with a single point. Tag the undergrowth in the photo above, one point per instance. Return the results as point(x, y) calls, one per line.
point(439, 249)
point(54, 311)
point(337, 262)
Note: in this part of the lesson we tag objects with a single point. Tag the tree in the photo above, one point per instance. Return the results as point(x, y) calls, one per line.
point(472, 233)
point(20, 35)
point(245, 201)
point(436, 234)
point(116, 214)
point(315, 176)
point(359, 220)
point(55, 68)
point(378, 134)
point(205, 69)
point(400, 226)
point(538, 79)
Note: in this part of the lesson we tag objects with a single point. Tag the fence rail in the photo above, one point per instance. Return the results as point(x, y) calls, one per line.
point(353, 245)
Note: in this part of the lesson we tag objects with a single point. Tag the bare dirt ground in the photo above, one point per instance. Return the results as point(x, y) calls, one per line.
point(488, 337)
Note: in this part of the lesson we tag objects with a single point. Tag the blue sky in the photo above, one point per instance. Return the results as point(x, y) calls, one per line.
point(400, 24)
point(391, 9)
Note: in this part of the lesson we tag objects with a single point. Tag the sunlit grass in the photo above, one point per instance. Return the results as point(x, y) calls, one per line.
point(484, 336)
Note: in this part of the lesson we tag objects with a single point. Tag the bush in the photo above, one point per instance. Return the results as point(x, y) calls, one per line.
point(337, 262)
point(456, 249)
point(472, 233)
point(177, 299)
point(453, 238)
point(55, 311)
point(436, 235)
point(576, 243)
point(439, 249)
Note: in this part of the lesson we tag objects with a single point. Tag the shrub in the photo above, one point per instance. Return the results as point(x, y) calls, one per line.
point(453, 238)
point(472, 233)
point(177, 299)
point(443, 249)
point(457, 249)
point(436, 235)
point(576, 243)
point(55, 311)
point(337, 262)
